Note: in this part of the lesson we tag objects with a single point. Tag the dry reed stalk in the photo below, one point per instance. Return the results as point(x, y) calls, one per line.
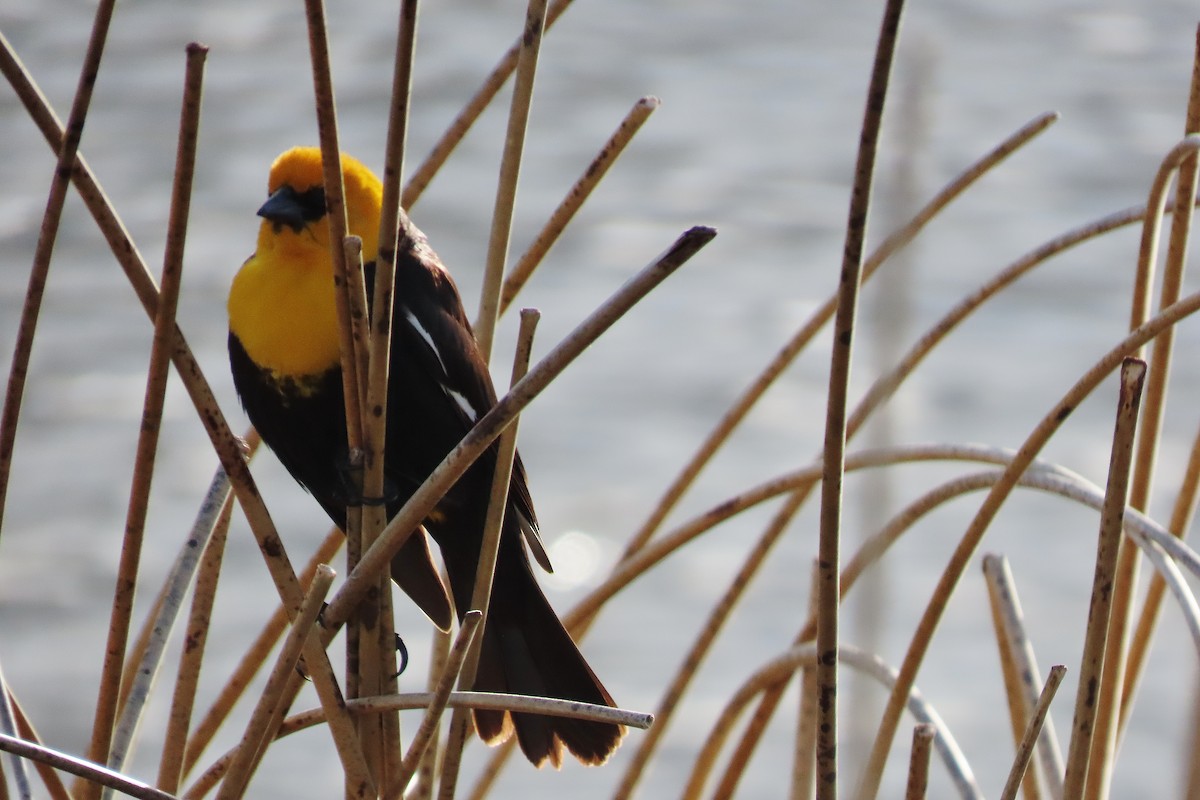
point(426, 734)
point(18, 369)
point(918, 763)
point(1011, 674)
point(1091, 670)
point(1033, 732)
point(102, 748)
point(1104, 743)
point(482, 98)
point(1003, 591)
point(578, 194)
point(270, 708)
point(485, 571)
point(803, 761)
point(377, 660)
point(805, 334)
point(978, 526)
point(1182, 513)
point(834, 453)
point(146, 657)
point(48, 232)
point(671, 696)
point(89, 773)
point(8, 726)
point(427, 772)
point(510, 171)
point(776, 672)
point(253, 659)
point(183, 700)
point(489, 427)
point(1134, 660)
point(55, 789)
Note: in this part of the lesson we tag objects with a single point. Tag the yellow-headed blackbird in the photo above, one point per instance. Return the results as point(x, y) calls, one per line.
point(283, 348)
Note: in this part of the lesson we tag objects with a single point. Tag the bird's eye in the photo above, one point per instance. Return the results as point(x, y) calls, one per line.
point(312, 203)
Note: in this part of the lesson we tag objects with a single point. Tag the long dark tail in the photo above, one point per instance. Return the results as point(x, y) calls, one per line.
point(526, 650)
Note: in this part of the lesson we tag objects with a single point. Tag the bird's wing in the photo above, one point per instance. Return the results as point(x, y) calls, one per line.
point(431, 326)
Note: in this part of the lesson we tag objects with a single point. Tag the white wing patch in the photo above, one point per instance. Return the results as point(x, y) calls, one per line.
point(424, 334)
point(461, 399)
point(458, 397)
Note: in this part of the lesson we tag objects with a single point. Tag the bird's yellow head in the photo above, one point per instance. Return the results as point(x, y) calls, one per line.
point(294, 216)
point(282, 305)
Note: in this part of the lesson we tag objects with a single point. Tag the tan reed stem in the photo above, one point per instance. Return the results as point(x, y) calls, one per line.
point(510, 171)
point(1003, 592)
point(427, 773)
point(829, 539)
point(776, 673)
point(918, 763)
point(1104, 742)
point(253, 659)
point(377, 372)
point(489, 549)
point(91, 774)
point(425, 734)
point(55, 788)
point(1133, 659)
point(888, 383)
point(156, 386)
point(170, 770)
point(1033, 731)
point(1182, 514)
point(67, 148)
point(1091, 669)
point(803, 759)
point(1013, 689)
point(270, 708)
point(488, 700)
point(470, 113)
point(578, 194)
point(978, 526)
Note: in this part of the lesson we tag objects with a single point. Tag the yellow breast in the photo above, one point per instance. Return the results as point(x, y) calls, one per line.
point(282, 305)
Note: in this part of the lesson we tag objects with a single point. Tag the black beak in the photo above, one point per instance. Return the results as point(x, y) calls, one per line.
point(288, 207)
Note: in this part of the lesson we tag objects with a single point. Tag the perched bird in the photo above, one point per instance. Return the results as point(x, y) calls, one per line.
point(283, 350)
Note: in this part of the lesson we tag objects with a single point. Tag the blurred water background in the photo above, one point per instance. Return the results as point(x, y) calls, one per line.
point(756, 136)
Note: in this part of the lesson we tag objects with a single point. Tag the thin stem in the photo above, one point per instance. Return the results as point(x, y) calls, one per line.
point(1091, 670)
point(91, 773)
point(829, 539)
point(489, 549)
point(1049, 424)
point(1003, 590)
point(441, 696)
point(253, 659)
point(918, 763)
point(510, 171)
point(470, 113)
point(1010, 669)
point(117, 741)
point(67, 148)
point(268, 711)
point(170, 770)
point(1033, 731)
point(578, 194)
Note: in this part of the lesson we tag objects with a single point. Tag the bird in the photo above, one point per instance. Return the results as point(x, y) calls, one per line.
point(284, 357)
